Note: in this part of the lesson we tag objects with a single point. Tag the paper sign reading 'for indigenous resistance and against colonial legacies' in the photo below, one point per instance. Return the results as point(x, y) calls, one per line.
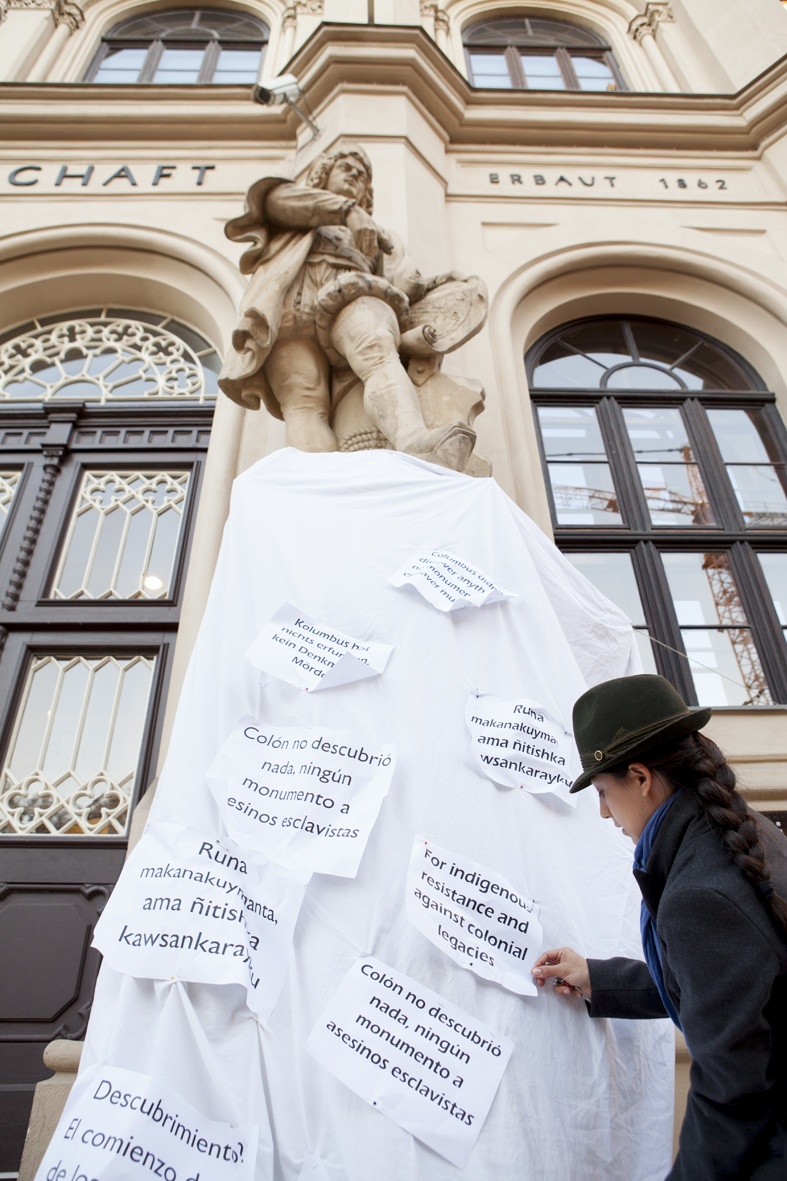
point(312, 655)
point(474, 915)
point(518, 743)
point(307, 798)
point(189, 906)
point(422, 1061)
point(449, 583)
point(119, 1125)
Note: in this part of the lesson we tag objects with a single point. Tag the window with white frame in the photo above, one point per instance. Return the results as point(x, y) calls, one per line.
point(183, 47)
point(537, 53)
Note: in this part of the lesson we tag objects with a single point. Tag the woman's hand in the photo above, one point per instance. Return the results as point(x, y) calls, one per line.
point(567, 968)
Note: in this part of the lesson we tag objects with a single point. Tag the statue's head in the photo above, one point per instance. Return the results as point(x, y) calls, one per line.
point(347, 170)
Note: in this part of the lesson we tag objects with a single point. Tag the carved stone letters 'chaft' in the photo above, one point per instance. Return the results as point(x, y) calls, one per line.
point(339, 334)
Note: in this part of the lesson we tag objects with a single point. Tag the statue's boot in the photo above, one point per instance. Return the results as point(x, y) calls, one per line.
point(450, 446)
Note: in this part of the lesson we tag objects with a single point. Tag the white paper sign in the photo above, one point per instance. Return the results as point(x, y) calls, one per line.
point(474, 915)
point(448, 583)
point(312, 655)
point(119, 1125)
point(427, 1064)
point(305, 797)
point(189, 906)
point(518, 743)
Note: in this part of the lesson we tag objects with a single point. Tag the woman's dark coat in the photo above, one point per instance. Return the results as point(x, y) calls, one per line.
point(725, 968)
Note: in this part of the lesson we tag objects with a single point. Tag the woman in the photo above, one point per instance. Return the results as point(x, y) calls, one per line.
point(713, 878)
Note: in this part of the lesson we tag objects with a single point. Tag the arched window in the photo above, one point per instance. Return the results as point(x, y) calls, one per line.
point(187, 45)
point(665, 460)
point(107, 355)
point(105, 415)
point(533, 53)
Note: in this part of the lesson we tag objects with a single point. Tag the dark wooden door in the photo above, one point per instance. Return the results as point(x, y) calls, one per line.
point(89, 494)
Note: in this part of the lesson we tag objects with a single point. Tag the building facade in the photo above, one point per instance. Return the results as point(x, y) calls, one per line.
point(617, 173)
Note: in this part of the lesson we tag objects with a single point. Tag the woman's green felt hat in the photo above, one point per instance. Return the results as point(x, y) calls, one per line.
point(620, 719)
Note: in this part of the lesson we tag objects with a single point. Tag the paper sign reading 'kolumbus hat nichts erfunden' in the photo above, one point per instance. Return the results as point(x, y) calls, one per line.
point(314, 655)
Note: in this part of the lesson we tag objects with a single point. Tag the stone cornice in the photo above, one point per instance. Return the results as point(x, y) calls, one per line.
point(65, 12)
point(656, 12)
point(399, 60)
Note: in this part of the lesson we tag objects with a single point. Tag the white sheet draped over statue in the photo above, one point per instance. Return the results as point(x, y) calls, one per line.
point(580, 1100)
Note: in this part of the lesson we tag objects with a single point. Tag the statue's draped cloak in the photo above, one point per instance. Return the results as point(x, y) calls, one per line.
point(282, 221)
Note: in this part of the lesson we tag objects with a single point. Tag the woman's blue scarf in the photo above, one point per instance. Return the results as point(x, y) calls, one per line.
point(650, 938)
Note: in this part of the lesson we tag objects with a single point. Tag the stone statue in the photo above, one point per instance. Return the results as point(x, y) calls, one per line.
point(339, 335)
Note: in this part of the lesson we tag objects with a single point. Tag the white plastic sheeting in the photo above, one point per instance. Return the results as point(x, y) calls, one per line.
point(580, 1099)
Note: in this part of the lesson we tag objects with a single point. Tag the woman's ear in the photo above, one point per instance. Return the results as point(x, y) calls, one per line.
point(640, 777)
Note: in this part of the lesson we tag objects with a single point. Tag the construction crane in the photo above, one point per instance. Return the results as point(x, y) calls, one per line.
point(724, 592)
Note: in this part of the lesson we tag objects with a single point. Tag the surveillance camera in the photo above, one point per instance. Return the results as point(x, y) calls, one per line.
point(273, 91)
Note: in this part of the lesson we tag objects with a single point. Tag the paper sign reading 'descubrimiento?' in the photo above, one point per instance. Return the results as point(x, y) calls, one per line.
point(474, 915)
point(305, 797)
point(448, 583)
point(311, 655)
point(427, 1064)
point(189, 906)
point(518, 743)
point(119, 1125)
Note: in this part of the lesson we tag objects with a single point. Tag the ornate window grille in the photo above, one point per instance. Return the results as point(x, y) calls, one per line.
point(9, 482)
point(534, 53)
point(106, 356)
point(182, 47)
point(75, 747)
point(123, 536)
point(665, 462)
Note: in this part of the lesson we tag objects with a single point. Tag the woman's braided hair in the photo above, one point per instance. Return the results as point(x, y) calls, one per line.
point(696, 763)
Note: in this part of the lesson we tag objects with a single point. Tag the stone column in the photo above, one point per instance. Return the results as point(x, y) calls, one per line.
point(68, 18)
point(432, 11)
point(288, 25)
point(643, 30)
point(50, 1099)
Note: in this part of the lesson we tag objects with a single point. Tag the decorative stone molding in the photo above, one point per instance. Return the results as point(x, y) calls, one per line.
point(430, 10)
point(656, 12)
point(68, 12)
point(65, 12)
point(300, 8)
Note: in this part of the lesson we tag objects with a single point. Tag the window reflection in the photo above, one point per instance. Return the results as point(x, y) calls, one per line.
point(774, 567)
point(613, 574)
point(725, 663)
point(673, 487)
point(582, 488)
point(759, 484)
